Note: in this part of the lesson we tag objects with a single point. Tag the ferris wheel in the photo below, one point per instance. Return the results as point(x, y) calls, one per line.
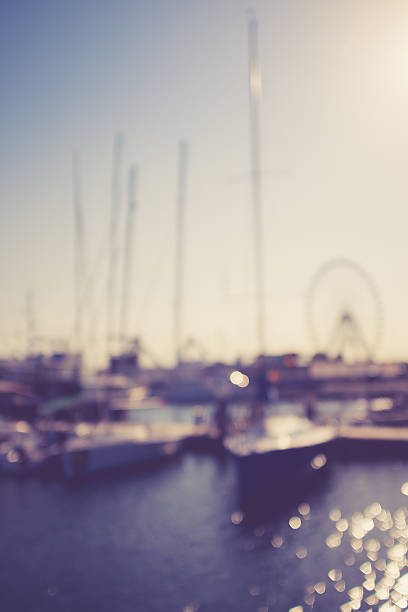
point(344, 311)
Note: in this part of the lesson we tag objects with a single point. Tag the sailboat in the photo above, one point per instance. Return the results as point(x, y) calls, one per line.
point(278, 452)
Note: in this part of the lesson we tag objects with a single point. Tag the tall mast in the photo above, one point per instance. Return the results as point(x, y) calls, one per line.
point(79, 249)
point(31, 327)
point(254, 83)
point(127, 264)
point(113, 238)
point(181, 200)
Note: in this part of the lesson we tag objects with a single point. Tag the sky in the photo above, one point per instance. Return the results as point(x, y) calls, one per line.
point(334, 127)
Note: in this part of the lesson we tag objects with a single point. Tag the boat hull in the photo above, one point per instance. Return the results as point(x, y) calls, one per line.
point(88, 461)
point(278, 473)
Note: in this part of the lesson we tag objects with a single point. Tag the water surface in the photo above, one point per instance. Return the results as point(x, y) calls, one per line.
point(165, 540)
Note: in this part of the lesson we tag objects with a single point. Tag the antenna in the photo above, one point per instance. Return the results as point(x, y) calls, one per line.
point(254, 83)
point(113, 239)
point(79, 248)
point(181, 199)
point(127, 264)
point(30, 315)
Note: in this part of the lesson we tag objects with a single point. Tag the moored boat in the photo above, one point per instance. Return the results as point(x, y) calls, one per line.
point(111, 446)
point(275, 459)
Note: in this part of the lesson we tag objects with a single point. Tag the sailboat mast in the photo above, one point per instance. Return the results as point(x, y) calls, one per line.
point(127, 264)
point(254, 83)
point(113, 240)
point(30, 317)
point(79, 249)
point(181, 200)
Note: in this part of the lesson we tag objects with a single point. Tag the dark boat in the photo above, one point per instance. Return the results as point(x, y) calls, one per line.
point(280, 457)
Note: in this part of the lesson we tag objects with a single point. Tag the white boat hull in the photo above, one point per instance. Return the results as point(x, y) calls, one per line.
point(89, 460)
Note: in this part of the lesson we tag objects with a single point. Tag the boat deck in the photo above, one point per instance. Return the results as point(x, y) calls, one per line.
point(373, 433)
point(281, 433)
point(118, 433)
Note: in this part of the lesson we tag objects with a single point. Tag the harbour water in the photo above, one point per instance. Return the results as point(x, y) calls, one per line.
point(172, 539)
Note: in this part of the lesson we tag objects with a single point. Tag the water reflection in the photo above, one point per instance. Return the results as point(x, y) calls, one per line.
point(338, 538)
point(375, 574)
point(333, 541)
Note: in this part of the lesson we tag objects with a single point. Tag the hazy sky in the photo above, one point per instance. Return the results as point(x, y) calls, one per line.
point(334, 154)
